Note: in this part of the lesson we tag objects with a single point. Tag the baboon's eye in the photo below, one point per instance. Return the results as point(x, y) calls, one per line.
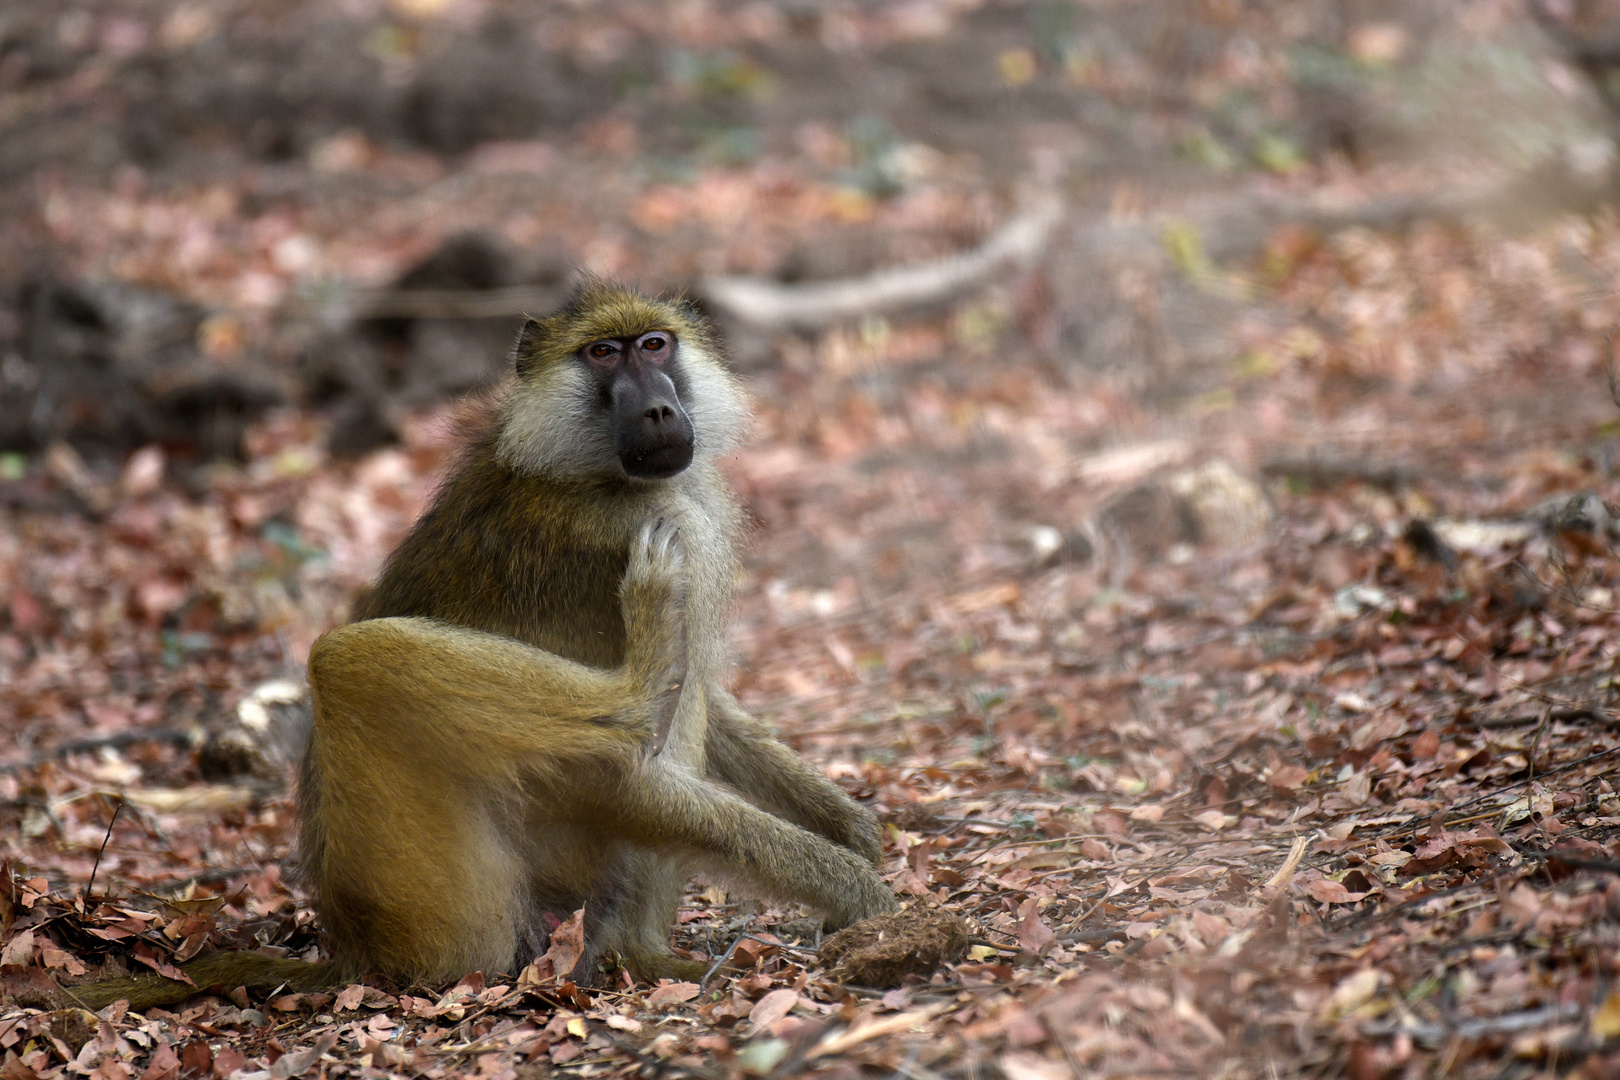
point(654, 343)
point(601, 350)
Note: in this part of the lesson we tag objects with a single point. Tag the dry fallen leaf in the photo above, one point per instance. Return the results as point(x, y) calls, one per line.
point(1354, 991)
point(1033, 934)
point(1605, 1020)
point(772, 1007)
point(672, 994)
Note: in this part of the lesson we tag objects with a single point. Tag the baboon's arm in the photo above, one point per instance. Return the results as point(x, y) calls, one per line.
point(746, 755)
point(663, 804)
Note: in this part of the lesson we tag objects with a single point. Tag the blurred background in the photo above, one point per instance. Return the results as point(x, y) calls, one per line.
point(1014, 283)
point(1109, 356)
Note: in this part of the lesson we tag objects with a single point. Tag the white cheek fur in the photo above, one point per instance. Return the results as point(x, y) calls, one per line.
point(542, 432)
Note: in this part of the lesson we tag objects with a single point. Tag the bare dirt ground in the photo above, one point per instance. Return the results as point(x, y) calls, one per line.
point(1217, 604)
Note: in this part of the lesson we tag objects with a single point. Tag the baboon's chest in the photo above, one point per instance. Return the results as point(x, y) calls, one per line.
point(574, 608)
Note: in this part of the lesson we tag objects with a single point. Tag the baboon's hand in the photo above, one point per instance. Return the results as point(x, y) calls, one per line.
point(652, 594)
point(658, 558)
point(865, 895)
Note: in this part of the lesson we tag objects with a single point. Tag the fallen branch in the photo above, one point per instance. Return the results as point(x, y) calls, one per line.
point(198, 799)
point(769, 304)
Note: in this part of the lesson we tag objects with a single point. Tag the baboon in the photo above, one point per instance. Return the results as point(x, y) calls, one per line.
point(526, 716)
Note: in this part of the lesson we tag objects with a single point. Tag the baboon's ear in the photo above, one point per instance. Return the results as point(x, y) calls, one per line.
point(525, 354)
point(694, 308)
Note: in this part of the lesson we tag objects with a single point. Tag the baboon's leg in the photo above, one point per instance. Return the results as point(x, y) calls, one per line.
point(745, 754)
point(423, 886)
point(639, 913)
point(431, 747)
point(426, 739)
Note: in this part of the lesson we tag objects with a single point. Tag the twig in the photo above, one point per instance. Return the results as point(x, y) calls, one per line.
point(996, 845)
point(1614, 387)
point(68, 990)
point(90, 886)
point(1133, 886)
point(1065, 1044)
point(1434, 1034)
point(910, 1068)
point(1324, 471)
point(1418, 901)
point(972, 815)
point(1535, 745)
point(1559, 713)
point(1417, 820)
point(212, 876)
point(1608, 866)
point(655, 1065)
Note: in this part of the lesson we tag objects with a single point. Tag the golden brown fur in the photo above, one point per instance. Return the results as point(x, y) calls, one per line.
point(528, 716)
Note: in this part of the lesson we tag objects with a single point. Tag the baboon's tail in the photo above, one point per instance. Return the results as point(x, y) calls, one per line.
point(221, 970)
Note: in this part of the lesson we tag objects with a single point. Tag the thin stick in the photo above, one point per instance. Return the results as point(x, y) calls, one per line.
point(1417, 820)
point(1535, 745)
point(90, 887)
point(1137, 884)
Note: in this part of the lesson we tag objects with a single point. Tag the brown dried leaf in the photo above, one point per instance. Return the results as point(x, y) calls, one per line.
point(673, 994)
point(160, 964)
point(1426, 745)
point(1289, 778)
point(567, 944)
point(772, 1007)
point(1033, 934)
point(1325, 891)
point(19, 951)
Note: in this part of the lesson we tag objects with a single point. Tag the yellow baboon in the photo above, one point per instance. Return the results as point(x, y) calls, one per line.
point(527, 716)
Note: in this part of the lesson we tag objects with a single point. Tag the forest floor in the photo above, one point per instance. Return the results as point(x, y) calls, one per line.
point(1252, 696)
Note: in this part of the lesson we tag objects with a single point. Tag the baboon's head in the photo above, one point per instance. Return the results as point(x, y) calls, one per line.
point(618, 384)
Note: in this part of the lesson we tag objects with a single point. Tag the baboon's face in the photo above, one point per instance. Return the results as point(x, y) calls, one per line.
point(618, 385)
point(637, 382)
